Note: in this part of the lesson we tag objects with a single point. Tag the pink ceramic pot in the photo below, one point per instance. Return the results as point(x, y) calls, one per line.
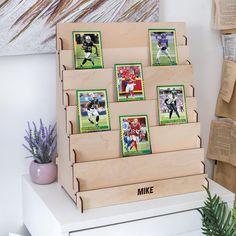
point(43, 173)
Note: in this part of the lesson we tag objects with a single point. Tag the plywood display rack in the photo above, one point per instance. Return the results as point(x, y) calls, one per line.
point(90, 165)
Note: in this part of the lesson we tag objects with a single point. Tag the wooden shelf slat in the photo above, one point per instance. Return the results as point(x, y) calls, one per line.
point(106, 145)
point(129, 193)
point(104, 78)
point(131, 170)
point(119, 35)
point(148, 107)
point(114, 56)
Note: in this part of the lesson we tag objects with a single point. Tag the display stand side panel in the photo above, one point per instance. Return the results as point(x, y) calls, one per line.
point(65, 170)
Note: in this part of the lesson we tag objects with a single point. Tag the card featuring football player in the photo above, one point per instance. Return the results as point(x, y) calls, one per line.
point(163, 49)
point(93, 114)
point(135, 138)
point(87, 49)
point(129, 82)
point(171, 105)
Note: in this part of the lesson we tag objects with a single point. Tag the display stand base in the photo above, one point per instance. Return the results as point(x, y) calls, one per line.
point(150, 217)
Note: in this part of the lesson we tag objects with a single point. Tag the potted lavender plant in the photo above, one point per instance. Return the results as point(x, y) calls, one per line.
point(41, 143)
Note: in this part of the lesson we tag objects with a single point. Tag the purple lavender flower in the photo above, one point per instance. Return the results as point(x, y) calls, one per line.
point(41, 142)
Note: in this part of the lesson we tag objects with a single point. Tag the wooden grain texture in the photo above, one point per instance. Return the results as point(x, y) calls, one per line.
point(119, 35)
point(129, 193)
point(104, 78)
point(123, 171)
point(107, 145)
point(123, 55)
point(148, 107)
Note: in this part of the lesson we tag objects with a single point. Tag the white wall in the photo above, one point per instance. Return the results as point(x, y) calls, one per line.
point(27, 92)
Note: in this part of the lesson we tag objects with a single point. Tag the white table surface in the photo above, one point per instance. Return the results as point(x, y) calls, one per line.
point(70, 218)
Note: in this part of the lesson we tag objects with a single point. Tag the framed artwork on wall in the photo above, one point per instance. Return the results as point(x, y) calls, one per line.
point(28, 27)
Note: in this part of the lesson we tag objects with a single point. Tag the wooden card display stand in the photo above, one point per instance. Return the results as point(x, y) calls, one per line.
point(90, 165)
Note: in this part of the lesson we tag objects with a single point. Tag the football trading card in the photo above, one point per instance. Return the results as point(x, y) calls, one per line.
point(129, 82)
point(163, 50)
point(135, 136)
point(93, 113)
point(87, 49)
point(171, 104)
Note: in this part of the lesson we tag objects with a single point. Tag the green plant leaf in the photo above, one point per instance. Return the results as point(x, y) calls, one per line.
point(217, 218)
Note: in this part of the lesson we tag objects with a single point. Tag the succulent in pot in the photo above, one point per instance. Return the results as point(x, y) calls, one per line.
point(41, 143)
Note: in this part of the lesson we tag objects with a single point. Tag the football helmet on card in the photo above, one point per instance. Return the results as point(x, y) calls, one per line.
point(87, 38)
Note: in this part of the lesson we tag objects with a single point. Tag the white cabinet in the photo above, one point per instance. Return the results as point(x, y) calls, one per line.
point(48, 211)
point(168, 225)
